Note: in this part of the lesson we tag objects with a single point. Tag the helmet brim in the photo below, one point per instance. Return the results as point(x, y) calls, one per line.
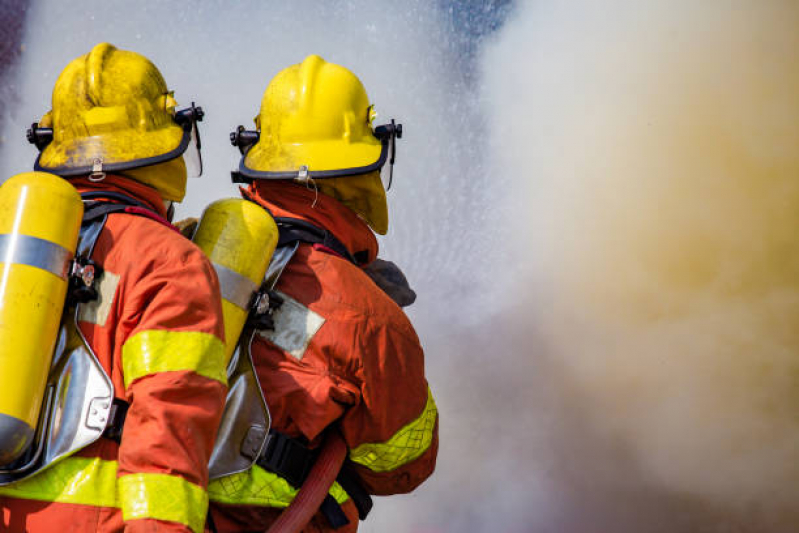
point(122, 151)
point(323, 159)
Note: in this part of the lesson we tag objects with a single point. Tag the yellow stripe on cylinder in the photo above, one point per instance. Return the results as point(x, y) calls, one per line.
point(239, 237)
point(40, 217)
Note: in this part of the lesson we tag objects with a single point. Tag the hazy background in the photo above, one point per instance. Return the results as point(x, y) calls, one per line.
point(597, 203)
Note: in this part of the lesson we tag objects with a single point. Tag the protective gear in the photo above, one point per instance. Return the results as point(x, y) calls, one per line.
point(156, 330)
point(315, 126)
point(341, 353)
point(167, 178)
point(111, 112)
point(363, 194)
point(315, 114)
point(239, 238)
point(40, 216)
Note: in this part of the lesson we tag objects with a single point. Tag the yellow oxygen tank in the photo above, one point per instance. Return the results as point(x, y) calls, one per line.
point(239, 237)
point(40, 217)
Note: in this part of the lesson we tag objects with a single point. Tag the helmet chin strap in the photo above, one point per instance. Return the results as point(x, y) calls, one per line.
point(170, 209)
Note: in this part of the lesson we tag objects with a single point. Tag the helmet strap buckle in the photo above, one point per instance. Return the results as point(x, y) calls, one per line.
point(97, 174)
point(302, 174)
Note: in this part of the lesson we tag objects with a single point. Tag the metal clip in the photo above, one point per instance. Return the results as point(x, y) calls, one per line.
point(97, 171)
point(302, 174)
point(83, 273)
point(261, 304)
point(97, 416)
point(86, 274)
point(253, 442)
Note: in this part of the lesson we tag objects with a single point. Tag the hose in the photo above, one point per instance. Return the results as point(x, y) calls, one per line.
point(323, 473)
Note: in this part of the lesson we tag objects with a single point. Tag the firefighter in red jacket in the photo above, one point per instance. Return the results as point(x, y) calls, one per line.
point(155, 326)
point(342, 355)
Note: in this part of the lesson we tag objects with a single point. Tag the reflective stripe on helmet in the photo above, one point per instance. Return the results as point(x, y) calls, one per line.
point(260, 487)
point(162, 497)
point(235, 288)
point(19, 249)
point(406, 445)
point(153, 351)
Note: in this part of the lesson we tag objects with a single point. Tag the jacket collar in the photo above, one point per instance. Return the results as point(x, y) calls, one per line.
point(286, 199)
point(134, 189)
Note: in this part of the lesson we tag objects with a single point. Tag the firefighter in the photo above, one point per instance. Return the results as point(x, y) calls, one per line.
point(154, 321)
point(340, 354)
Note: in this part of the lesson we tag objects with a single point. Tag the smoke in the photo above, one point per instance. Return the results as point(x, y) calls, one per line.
point(651, 154)
point(599, 217)
point(12, 17)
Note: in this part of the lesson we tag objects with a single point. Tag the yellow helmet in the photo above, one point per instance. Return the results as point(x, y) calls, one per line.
point(111, 112)
point(315, 122)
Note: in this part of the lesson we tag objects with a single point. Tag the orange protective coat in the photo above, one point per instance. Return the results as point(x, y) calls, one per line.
point(362, 370)
point(165, 283)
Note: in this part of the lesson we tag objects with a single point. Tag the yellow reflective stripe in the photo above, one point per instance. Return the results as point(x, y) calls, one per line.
point(93, 481)
point(153, 351)
point(407, 444)
point(80, 480)
point(257, 486)
point(163, 497)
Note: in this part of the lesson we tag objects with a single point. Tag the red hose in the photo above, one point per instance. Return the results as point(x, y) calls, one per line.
point(327, 466)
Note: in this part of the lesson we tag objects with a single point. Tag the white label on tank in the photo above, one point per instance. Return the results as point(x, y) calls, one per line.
point(97, 311)
point(295, 326)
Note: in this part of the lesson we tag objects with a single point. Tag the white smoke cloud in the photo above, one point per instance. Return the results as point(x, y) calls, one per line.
point(652, 151)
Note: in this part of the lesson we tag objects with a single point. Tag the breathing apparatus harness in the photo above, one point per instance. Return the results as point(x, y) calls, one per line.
point(289, 457)
point(82, 278)
point(97, 206)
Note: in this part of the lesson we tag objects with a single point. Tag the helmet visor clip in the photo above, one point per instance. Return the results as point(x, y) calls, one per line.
point(389, 133)
point(244, 139)
point(40, 137)
point(188, 119)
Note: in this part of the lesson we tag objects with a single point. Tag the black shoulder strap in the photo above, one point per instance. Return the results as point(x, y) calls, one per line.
point(296, 230)
point(95, 213)
point(111, 195)
point(96, 204)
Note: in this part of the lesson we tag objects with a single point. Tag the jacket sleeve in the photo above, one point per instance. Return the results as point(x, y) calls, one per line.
point(393, 431)
point(174, 375)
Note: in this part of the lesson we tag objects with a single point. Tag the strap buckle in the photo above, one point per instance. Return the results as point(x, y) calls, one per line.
point(287, 457)
point(97, 174)
point(264, 303)
point(83, 276)
point(116, 420)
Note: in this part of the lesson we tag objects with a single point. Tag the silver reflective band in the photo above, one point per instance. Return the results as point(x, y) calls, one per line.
point(235, 288)
point(18, 249)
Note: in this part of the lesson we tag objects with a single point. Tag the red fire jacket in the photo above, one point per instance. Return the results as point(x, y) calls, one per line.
point(342, 353)
point(157, 331)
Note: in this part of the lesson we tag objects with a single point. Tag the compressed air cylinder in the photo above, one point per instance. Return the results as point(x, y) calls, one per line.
point(40, 217)
point(239, 237)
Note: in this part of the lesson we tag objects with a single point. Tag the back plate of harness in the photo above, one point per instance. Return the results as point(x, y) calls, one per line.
point(79, 404)
point(79, 394)
point(244, 429)
point(243, 439)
